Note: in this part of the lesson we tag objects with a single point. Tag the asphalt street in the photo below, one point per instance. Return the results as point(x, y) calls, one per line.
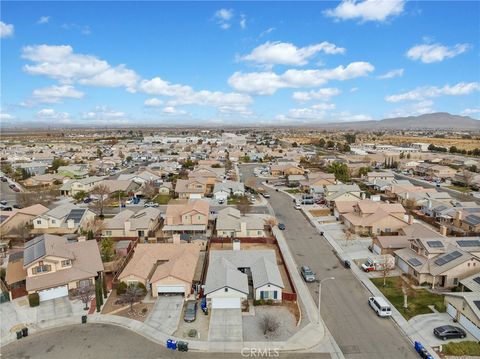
point(357, 330)
point(93, 341)
point(7, 194)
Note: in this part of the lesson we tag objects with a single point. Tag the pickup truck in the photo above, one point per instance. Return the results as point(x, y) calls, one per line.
point(379, 263)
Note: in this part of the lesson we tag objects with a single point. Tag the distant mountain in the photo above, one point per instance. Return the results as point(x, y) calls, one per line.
point(437, 120)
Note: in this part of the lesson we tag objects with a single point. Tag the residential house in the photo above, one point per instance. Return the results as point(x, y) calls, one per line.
point(224, 190)
point(64, 219)
point(286, 169)
point(464, 308)
point(55, 265)
point(74, 186)
point(165, 188)
point(11, 220)
point(164, 268)
point(342, 192)
point(374, 218)
point(125, 186)
point(32, 168)
point(384, 175)
point(141, 177)
point(73, 171)
point(435, 171)
point(230, 223)
point(129, 224)
point(16, 276)
point(186, 216)
point(231, 271)
point(436, 262)
point(317, 179)
point(45, 180)
point(191, 188)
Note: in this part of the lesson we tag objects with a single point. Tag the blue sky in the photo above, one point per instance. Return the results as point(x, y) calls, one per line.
point(237, 62)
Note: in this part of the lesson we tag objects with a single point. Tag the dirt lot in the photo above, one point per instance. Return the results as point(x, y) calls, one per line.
point(257, 246)
point(140, 311)
point(252, 325)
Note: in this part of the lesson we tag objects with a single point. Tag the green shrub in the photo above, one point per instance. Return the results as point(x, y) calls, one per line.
point(466, 347)
point(34, 299)
point(121, 288)
point(142, 287)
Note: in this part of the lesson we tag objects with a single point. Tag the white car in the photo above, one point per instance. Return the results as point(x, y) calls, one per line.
point(297, 206)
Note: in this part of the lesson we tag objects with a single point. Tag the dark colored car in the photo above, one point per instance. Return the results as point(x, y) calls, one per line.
point(190, 311)
point(4, 179)
point(3, 202)
point(307, 274)
point(281, 226)
point(17, 206)
point(449, 332)
point(87, 200)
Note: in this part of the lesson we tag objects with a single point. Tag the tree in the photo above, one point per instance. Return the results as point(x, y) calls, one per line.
point(408, 155)
point(269, 324)
point(101, 192)
point(132, 295)
point(407, 291)
point(386, 269)
point(43, 197)
point(271, 222)
point(363, 171)
point(129, 159)
point(98, 296)
point(99, 152)
point(453, 149)
point(86, 295)
point(149, 190)
point(57, 162)
point(348, 236)
point(106, 249)
point(321, 142)
point(330, 144)
point(402, 155)
point(294, 144)
point(80, 196)
point(244, 205)
point(340, 170)
point(22, 232)
point(467, 177)
point(104, 287)
point(350, 138)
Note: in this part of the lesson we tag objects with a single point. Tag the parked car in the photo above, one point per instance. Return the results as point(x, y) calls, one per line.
point(5, 208)
point(4, 179)
point(281, 226)
point(265, 195)
point(449, 332)
point(190, 311)
point(298, 206)
point(87, 200)
point(151, 204)
point(221, 201)
point(14, 188)
point(380, 306)
point(3, 202)
point(307, 274)
point(17, 206)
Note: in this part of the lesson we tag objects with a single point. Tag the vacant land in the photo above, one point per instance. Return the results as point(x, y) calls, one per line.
point(418, 300)
point(467, 144)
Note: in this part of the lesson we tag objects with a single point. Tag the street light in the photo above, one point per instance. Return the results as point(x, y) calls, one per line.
point(320, 295)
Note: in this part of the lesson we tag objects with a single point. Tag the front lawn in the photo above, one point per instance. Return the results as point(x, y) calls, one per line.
point(460, 188)
point(162, 199)
point(467, 347)
point(293, 190)
point(417, 303)
point(234, 200)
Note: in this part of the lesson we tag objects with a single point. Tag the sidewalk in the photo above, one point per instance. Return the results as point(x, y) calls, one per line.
point(412, 334)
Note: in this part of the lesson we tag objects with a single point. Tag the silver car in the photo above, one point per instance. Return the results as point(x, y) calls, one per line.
point(307, 274)
point(190, 311)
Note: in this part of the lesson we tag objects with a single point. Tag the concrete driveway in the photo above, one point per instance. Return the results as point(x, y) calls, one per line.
point(226, 325)
point(54, 309)
point(166, 313)
point(425, 324)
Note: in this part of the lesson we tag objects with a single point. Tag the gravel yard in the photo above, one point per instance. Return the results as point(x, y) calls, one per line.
point(252, 329)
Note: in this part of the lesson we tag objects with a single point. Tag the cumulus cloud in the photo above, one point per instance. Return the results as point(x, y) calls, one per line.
point(243, 21)
point(223, 18)
point(367, 10)
point(153, 102)
point(62, 64)
point(43, 20)
point(471, 112)
point(284, 53)
point(391, 74)
point(170, 110)
point(51, 114)
point(267, 83)
point(6, 30)
point(323, 94)
point(104, 114)
point(422, 93)
point(54, 94)
point(6, 116)
point(429, 53)
point(415, 109)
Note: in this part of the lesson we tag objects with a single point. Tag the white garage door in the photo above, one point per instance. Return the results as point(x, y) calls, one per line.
point(469, 326)
point(402, 265)
point(222, 303)
point(170, 289)
point(53, 293)
point(451, 310)
point(377, 249)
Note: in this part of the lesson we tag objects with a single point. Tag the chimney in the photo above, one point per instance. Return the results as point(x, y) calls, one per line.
point(70, 224)
point(429, 204)
point(443, 230)
point(363, 195)
point(176, 238)
point(81, 239)
point(410, 219)
point(236, 244)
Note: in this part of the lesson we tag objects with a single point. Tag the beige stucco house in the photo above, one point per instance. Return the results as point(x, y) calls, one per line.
point(129, 224)
point(230, 223)
point(465, 309)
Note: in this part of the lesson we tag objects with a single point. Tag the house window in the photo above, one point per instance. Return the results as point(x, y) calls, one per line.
point(108, 233)
point(53, 221)
point(275, 295)
point(84, 283)
point(226, 289)
point(66, 263)
point(455, 281)
point(39, 221)
point(44, 268)
point(198, 217)
point(259, 232)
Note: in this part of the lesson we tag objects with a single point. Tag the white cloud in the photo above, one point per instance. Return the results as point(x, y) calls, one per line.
point(471, 111)
point(6, 116)
point(415, 109)
point(323, 94)
point(6, 30)
point(170, 110)
point(153, 102)
point(421, 93)
point(324, 106)
point(51, 114)
point(367, 10)
point(353, 89)
point(267, 83)
point(243, 21)
point(54, 94)
point(302, 114)
point(223, 17)
point(104, 114)
point(391, 74)
point(43, 20)
point(266, 32)
point(429, 53)
point(347, 116)
point(62, 64)
point(284, 53)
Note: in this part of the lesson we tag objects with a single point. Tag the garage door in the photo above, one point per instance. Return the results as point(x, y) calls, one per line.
point(470, 326)
point(223, 303)
point(53, 293)
point(377, 249)
point(451, 310)
point(161, 289)
point(402, 265)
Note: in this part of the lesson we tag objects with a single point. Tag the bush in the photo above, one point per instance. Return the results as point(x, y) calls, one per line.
point(34, 299)
point(121, 288)
point(142, 287)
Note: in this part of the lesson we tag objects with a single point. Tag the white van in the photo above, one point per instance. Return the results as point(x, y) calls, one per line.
point(380, 306)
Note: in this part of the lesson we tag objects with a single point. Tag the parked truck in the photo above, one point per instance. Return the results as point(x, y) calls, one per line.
point(379, 263)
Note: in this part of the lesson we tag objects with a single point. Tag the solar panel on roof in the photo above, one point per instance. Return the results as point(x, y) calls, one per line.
point(474, 220)
point(76, 215)
point(3, 218)
point(447, 258)
point(477, 303)
point(476, 280)
point(414, 262)
point(469, 243)
point(435, 244)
